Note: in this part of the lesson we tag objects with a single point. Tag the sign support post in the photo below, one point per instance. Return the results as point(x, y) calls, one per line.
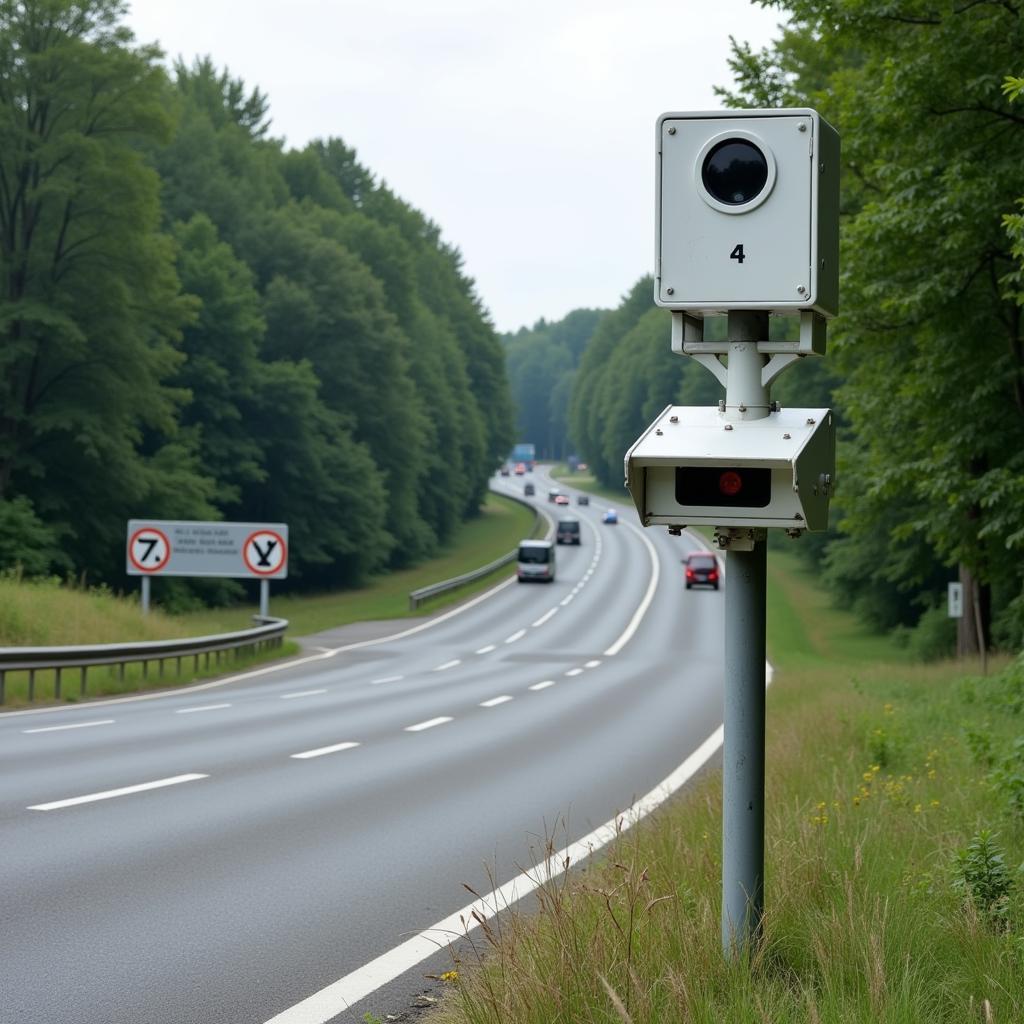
point(264, 599)
point(145, 595)
point(743, 752)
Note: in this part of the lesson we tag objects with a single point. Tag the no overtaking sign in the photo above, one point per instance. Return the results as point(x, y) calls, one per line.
point(182, 548)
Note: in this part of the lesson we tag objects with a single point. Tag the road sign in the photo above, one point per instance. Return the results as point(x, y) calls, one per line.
point(149, 551)
point(955, 597)
point(264, 552)
point(186, 548)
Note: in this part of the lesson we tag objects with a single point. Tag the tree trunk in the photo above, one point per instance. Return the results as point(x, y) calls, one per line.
point(976, 611)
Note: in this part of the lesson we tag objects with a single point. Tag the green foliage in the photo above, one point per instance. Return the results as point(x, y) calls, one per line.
point(199, 324)
point(982, 878)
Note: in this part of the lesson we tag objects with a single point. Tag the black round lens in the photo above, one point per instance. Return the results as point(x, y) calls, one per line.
point(735, 171)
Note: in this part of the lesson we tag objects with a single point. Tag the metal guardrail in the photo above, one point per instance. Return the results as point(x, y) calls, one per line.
point(417, 597)
point(270, 633)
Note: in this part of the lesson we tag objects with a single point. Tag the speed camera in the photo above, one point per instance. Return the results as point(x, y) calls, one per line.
point(747, 212)
point(697, 467)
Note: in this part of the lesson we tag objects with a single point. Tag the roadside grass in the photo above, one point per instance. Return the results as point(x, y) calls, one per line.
point(49, 613)
point(879, 908)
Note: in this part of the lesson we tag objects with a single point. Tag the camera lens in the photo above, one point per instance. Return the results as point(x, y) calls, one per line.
point(734, 171)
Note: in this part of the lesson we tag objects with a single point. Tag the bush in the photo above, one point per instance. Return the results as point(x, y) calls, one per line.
point(934, 636)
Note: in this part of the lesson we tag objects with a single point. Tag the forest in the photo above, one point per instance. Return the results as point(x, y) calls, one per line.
point(199, 323)
point(925, 366)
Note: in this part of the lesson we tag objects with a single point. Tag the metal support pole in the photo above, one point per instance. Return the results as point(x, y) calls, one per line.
point(145, 595)
point(264, 599)
point(744, 713)
point(743, 752)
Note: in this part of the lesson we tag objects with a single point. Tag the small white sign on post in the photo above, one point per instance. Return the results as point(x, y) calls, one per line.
point(956, 600)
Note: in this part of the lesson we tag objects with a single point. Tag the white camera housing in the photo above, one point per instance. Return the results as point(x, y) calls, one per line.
point(794, 449)
point(771, 246)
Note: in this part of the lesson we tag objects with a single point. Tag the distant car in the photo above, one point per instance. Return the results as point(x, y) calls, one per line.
point(583, 499)
point(561, 499)
point(520, 469)
point(536, 561)
point(701, 567)
point(504, 470)
point(611, 517)
point(553, 493)
point(529, 490)
point(568, 531)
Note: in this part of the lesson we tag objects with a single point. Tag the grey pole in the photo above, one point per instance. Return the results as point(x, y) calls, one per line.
point(264, 599)
point(145, 595)
point(744, 713)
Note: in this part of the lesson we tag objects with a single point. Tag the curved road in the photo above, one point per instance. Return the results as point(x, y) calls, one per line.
point(219, 855)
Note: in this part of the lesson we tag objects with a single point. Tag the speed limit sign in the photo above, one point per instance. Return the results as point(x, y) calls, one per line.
point(149, 550)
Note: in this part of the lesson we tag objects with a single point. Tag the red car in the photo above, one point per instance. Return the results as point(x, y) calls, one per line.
point(561, 499)
point(701, 567)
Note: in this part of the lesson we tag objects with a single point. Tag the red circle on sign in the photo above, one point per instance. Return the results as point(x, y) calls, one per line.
point(730, 483)
point(131, 550)
point(257, 570)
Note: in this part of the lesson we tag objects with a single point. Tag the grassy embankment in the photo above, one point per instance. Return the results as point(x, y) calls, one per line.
point(884, 900)
point(48, 613)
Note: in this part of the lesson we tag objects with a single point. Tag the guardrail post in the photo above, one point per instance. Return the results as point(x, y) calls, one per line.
point(31, 685)
point(56, 683)
point(2, 696)
point(82, 680)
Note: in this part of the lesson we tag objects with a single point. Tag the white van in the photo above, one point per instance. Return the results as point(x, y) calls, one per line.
point(536, 561)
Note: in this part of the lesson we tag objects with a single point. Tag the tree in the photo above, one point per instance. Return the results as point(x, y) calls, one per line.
point(930, 340)
point(90, 307)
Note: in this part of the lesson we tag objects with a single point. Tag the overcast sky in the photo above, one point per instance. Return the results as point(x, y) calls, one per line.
point(525, 130)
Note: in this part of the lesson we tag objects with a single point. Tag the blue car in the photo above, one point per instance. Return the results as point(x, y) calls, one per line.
point(611, 516)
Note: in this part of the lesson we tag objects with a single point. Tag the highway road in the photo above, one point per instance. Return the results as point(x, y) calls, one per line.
point(221, 854)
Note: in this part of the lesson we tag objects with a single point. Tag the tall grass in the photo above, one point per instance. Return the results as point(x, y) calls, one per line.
point(879, 773)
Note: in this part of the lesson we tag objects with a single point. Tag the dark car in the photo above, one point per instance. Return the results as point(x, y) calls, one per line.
point(583, 499)
point(568, 531)
point(529, 490)
point(701, 567)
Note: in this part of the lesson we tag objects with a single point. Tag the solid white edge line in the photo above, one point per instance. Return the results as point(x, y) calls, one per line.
point(495, 701)
point(320, 751)
point(428, 724)
point(76, 725)
point(344, 993)
point(110, 793)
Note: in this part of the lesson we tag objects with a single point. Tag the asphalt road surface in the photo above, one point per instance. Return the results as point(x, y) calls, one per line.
point(219, 855)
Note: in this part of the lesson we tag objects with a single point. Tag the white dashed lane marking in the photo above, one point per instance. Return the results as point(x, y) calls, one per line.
point(111, 793)
point(544, 618)
point(320, 751)
point(544, 685)
point(448, 665)
point(77, 725)
point(386, 679)
point(592, 664)
point(487, 649)
point(518, 635)
point(302, 693)
point(495, 701)
point(574, 672)
point(204, 707)
point(429, 724)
